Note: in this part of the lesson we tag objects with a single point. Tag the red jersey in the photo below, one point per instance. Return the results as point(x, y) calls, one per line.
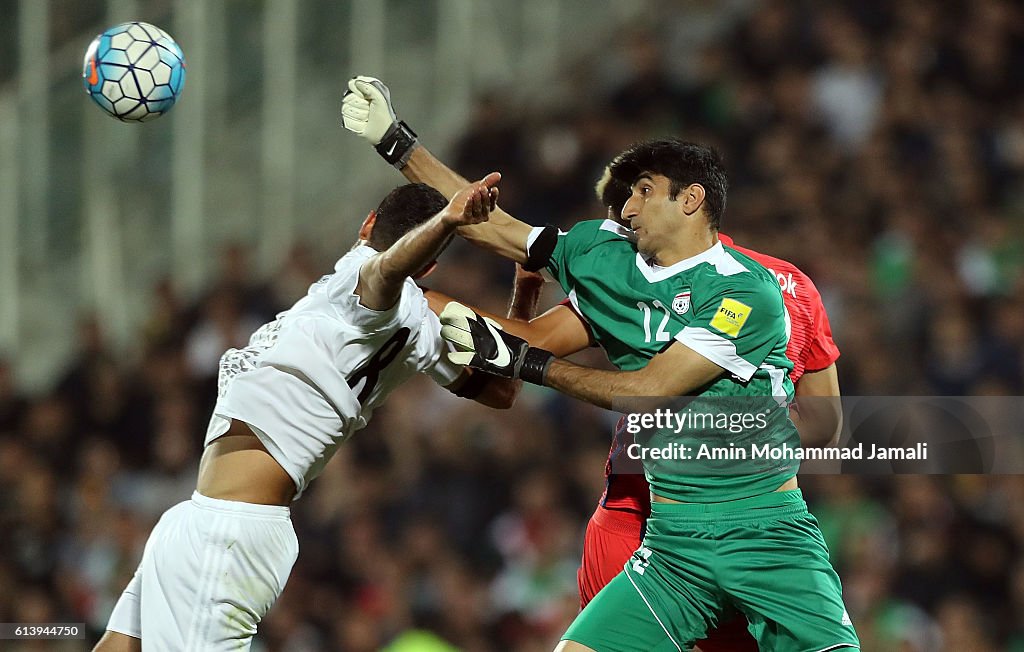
point(810, 348)
point(810, 345)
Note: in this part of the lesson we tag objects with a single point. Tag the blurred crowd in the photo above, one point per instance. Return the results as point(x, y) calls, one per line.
point(877, 145)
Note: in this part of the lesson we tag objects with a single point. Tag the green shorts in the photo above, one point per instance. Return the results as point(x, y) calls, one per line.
point(763, 555)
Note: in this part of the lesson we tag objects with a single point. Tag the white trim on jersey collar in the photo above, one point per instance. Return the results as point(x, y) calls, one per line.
point(715, 255)
point(618, 229)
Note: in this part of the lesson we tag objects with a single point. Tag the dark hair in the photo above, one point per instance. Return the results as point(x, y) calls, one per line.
point(405, 208)
point(683, 163)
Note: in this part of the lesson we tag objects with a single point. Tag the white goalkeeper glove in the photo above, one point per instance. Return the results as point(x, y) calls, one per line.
point(366, 111)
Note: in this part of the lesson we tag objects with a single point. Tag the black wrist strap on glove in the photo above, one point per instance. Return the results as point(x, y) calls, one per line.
point(397, 144)
point(535, 365)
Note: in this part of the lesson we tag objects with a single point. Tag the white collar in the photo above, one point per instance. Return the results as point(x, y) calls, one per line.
point(715, 255)
point(619, 230)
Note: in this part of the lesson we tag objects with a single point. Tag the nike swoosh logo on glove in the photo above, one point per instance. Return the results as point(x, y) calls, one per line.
point(504, 356)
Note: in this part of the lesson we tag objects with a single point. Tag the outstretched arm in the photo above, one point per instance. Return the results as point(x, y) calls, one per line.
point(558, 330)
point(381, 277)
point(367, 111)
point(487, 389)
point(676, 371)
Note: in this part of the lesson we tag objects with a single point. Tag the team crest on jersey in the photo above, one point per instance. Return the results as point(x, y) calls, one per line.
point(681, 303)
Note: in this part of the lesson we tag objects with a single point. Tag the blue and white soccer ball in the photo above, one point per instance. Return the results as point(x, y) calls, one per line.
point(134, 71)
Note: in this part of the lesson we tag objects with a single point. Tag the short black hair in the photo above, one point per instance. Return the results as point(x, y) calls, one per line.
point(683, 163)
point(404, 208)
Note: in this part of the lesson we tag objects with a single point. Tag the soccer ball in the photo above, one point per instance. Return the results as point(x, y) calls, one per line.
point(134, 71)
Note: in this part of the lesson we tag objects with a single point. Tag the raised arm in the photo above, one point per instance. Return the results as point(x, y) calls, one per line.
point(368, 112)
point(381, 277)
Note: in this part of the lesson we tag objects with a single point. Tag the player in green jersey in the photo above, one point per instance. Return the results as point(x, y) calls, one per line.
point(679, 314)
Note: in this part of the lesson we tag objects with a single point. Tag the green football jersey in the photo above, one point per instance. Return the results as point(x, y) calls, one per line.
point(723, 305)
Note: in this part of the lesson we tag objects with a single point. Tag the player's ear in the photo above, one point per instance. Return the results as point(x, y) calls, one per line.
point(427, 271)
point(367, 228)
point(691, 197)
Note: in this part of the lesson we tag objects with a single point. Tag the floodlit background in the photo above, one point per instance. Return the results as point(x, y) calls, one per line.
point(878, 145)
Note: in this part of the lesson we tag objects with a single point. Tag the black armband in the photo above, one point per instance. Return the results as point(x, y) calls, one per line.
point(474, 385)
point(535, 365)
point(397, 144)
point(541, 249)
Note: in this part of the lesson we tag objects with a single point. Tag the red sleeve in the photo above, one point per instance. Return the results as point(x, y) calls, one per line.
point(822, 350)
point(811, 342)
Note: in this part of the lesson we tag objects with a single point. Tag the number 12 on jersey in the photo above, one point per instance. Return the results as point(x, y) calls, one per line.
point(662, 335)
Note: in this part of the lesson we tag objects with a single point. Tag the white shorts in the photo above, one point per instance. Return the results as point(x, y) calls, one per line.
point(210, 571)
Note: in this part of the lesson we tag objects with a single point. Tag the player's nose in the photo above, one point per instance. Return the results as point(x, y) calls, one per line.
point(629, 212)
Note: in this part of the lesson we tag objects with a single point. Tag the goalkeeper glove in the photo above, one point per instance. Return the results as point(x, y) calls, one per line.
point(482, 344)
point(366, 110)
